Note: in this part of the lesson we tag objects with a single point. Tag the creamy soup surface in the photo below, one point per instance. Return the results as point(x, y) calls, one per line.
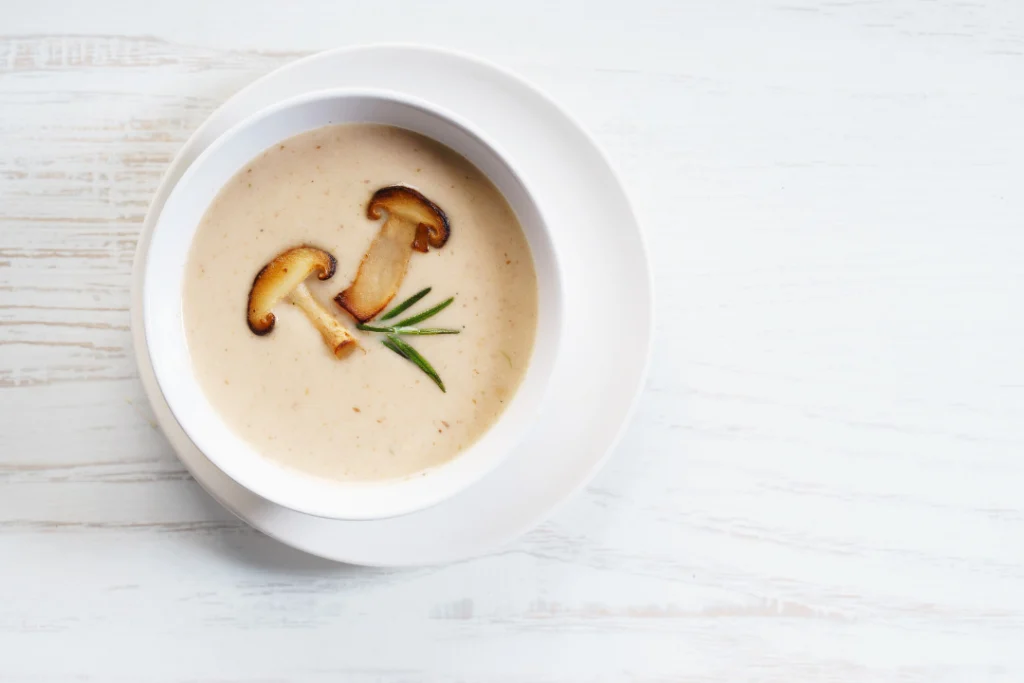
point(372, 415)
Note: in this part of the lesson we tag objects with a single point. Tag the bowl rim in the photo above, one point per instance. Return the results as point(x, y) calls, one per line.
point(553, 340)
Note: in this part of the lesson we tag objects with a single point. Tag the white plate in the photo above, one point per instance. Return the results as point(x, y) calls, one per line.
point(608, 304)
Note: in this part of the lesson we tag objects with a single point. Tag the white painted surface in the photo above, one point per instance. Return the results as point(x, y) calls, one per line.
point(824, 480)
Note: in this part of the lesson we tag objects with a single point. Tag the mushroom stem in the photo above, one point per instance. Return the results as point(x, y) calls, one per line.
point(337, 338)
point(387, 260)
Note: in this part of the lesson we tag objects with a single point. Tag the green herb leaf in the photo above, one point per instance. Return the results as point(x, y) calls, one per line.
point(419, 331)
point(409, 353)
point(429, 313)
point(405, 305)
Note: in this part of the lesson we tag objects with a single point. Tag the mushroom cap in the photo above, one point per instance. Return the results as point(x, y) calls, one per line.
point(411, 206)
point(280, 277)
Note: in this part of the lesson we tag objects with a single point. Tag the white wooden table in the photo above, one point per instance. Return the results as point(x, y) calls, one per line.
point(825, 479)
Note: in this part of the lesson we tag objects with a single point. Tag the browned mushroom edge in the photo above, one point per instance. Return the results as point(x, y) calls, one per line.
point(413, 223)
point(283, 279)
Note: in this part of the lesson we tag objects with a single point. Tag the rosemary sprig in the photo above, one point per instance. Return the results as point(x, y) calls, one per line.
point(406, 330)
point(429, 313)
point(405, 305)
point(408, 326)
point(409, 353)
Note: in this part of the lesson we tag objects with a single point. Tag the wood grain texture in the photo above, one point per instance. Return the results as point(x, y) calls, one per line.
point(824, 478)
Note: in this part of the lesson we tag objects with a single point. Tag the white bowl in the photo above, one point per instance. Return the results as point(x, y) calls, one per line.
point(165, 332)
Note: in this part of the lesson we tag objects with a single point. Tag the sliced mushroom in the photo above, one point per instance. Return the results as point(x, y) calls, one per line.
point(413, 223)
point(283, 279)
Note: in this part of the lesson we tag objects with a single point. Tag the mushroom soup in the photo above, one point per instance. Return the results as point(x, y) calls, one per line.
point(294, 277)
